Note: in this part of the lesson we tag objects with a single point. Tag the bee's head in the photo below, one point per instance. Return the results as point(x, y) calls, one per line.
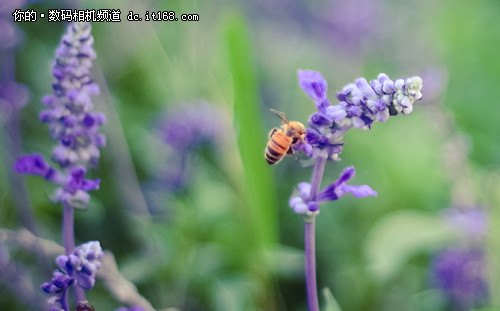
point(295, 130)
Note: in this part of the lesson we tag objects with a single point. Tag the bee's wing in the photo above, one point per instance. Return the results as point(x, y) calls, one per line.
point(280, 114)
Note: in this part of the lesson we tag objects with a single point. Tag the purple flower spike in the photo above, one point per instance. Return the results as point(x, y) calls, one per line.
point(72, 123)
point(360, 105)
point(69, 115)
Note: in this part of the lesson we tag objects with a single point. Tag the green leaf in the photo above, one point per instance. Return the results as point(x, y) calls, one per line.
point(251, 136)
point(399, 235)
point(331, 302)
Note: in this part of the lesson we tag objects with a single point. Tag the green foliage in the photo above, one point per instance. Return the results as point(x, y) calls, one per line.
point(249, 130)
point(331, 303)
point(398, 236)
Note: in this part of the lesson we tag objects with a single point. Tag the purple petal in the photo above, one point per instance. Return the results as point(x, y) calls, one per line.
point(85, 281)
point(334, 149)
point(89, 120)
point(77, 181)
point(61, 280)
point(354, 111)
point(313, 84)
point(62, 262)
point(359, 191)
point(365, 88)
point(305, 147)
point(312, 136)
point(305, 190)
point(347, 174)
point(91, 184)
point(339, 188)
point(337, 113)
point(48, 288)
point(100, 140)
point(34, 164)
point(320, 119)
point(380, 105)
point(342, 96)
point(329, 193)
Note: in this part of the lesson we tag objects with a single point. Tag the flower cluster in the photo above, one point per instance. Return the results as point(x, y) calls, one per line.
point(76, 129)
point(187, 129)
point(192, 126)
point(69, 114)
point(459, 270)
point(460, 273)
point(71, 121)
point(360, 104)
point(79, 268)
point(301, 203)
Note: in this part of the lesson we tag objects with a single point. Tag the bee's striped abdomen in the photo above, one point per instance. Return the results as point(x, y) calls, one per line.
point(277, 147)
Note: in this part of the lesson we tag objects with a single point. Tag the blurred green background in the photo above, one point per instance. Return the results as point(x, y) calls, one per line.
point(226, 239)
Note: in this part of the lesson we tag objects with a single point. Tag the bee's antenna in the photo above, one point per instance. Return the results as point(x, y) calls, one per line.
point(280, 114)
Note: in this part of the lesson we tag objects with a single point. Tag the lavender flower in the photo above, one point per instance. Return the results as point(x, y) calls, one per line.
point(79, 268)
point(459, 271)
point(76, 129)
point(191, 126)
point(71, 121)
point(300, 201)
point(360, 105)
point(69, 115)
point(186, 130)
point(461, 275)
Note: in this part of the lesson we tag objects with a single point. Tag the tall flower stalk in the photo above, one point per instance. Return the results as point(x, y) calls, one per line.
point(76, 129)
point(360, 105)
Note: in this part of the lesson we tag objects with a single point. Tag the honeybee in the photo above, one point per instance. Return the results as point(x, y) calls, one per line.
point(281, 141)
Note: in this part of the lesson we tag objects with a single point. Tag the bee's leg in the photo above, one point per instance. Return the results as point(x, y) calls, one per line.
point(290, 150)
point(271, 133)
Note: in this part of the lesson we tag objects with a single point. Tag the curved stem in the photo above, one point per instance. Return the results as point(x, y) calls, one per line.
point(309, 238)
point(68, 229)
point(319, 168)
point(310, 258)
point(69, 244)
